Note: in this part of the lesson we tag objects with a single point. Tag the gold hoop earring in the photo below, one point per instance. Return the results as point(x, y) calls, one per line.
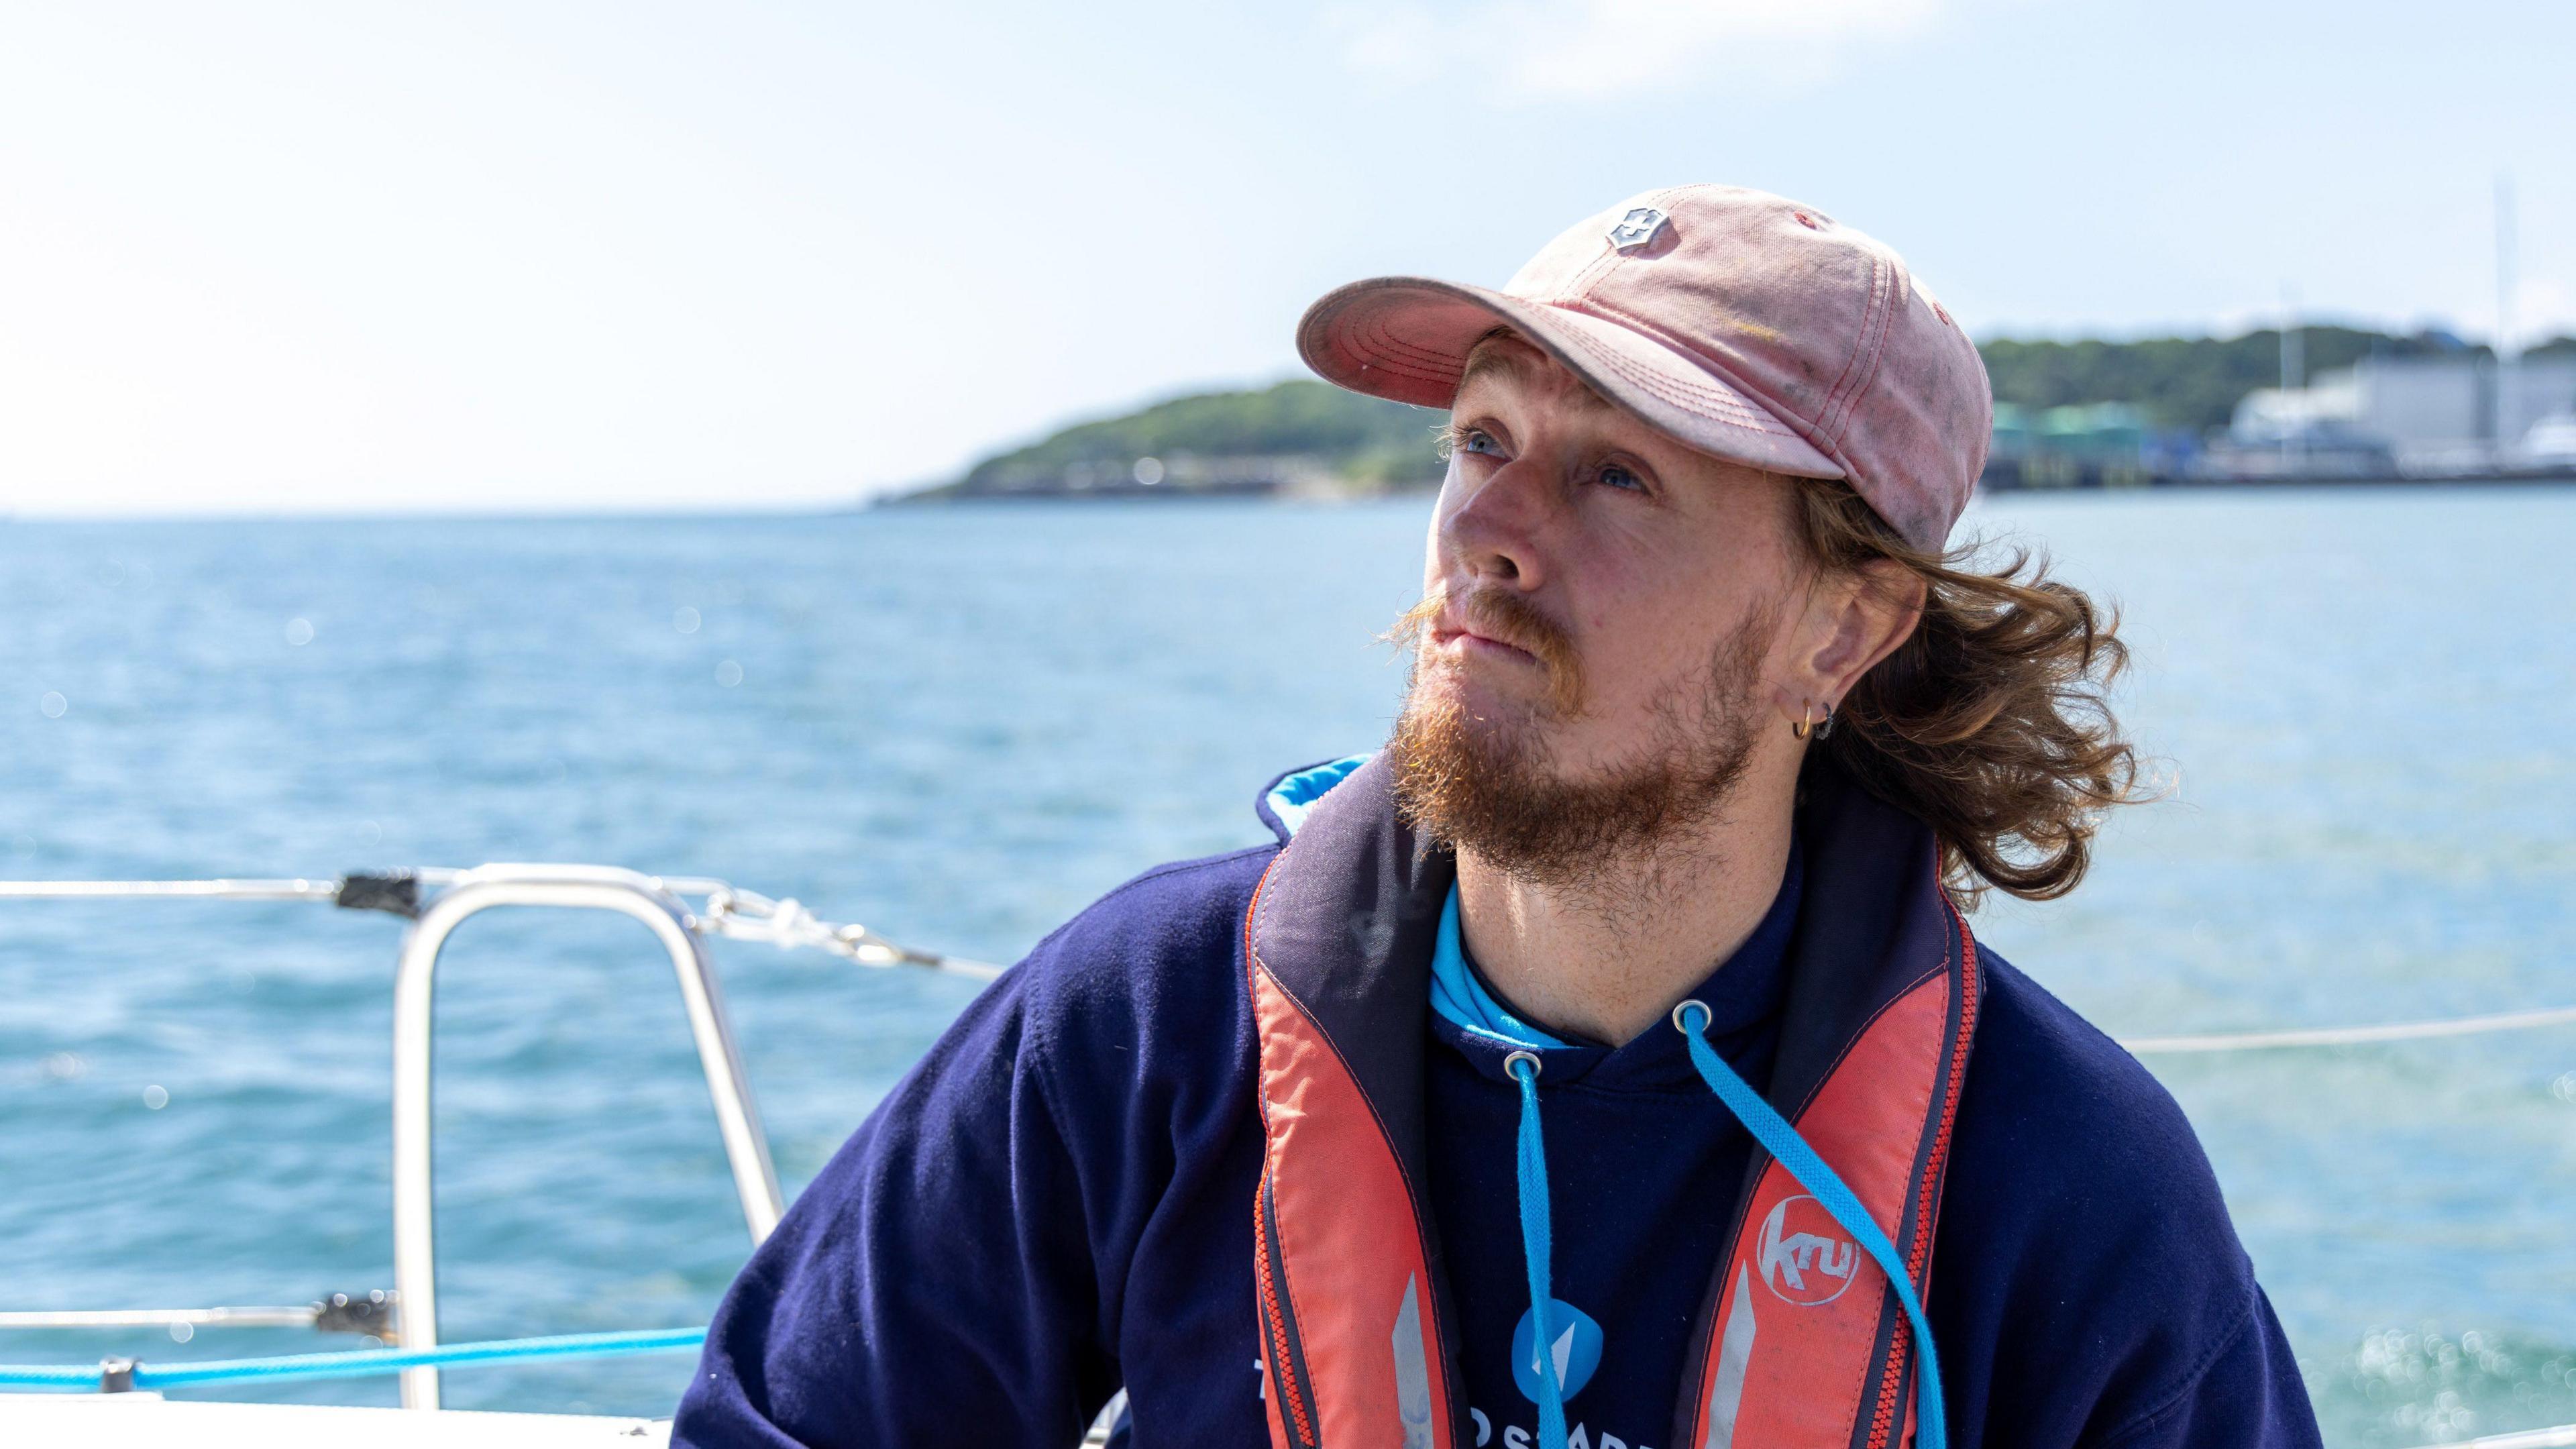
point(1805, 724)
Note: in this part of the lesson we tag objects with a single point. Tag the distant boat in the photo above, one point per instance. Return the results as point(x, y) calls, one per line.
point(2551, 443)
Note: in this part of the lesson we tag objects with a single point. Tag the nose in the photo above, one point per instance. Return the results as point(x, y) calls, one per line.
point(1494, 529)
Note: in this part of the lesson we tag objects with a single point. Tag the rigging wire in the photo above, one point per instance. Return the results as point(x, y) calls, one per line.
point(2333, 1036)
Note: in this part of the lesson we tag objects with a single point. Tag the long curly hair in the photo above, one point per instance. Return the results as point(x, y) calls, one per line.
point(1991, 722)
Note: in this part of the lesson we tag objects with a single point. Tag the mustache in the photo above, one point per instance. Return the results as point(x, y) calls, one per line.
point(1501, 615)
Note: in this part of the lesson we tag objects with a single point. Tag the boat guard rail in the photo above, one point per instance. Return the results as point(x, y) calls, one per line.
point(436, 901)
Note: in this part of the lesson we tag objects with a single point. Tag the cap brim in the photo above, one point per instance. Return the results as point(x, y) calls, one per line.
point(1407, 338)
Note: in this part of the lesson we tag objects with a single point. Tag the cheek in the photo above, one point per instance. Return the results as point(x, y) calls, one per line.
point(1442, 510)
point(1644, 646)
point(1646, 664)
point(1660, 602)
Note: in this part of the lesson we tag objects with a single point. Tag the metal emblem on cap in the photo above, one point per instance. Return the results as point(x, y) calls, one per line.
point(1641, 225)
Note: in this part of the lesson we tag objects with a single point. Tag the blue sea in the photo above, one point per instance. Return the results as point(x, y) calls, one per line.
point(958, 726)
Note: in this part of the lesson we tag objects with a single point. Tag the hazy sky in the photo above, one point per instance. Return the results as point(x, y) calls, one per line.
point(346, 256)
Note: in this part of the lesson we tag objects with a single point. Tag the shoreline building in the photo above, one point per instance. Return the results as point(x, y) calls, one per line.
point(2455, 415)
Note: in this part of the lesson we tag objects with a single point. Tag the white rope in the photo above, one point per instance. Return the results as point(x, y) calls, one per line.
point(741, 915)
point(238, 890)
point(2557, 1438)
point(732, 913)
point(2355, 1035)
point(165, 1318)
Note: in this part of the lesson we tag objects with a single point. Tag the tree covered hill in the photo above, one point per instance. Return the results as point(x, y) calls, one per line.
point(1304, 435)
point(1295, 427)
point(2191, 383)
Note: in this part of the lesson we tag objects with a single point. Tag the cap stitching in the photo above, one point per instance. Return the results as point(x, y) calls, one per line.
point(1397, 368)
point(1882, 312)
point(1370, 337)
point(1397, 358)
point(1682, 393)
point(1373, 325)
point(1782, 418)
point(1383, 351)
point(1593, 271)
point(1826, 436)
point(1677, 391)
point(1373, 333)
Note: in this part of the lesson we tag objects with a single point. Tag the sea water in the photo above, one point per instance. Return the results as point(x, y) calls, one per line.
point(960, 725)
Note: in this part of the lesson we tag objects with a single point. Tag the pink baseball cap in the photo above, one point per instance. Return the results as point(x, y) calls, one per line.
point(1746, 326)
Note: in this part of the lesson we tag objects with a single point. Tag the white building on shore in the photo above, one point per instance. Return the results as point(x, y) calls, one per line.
point(2435, 416)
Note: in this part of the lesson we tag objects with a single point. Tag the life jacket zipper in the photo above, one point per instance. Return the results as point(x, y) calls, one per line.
point(1287, 1357)
point(1890, 1388)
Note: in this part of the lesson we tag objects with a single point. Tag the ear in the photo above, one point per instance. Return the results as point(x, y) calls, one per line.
point(1853, 621)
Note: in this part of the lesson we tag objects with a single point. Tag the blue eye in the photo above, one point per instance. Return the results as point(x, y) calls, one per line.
point(1618, 477)
point(1477, 440)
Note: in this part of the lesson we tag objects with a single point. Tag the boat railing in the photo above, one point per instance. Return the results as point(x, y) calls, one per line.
point(436, 902)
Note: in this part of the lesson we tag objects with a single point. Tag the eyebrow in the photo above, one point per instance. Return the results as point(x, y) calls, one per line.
point(1520, 367)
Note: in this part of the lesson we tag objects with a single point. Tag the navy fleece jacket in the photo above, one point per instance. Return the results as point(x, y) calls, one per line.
point(1057, 1201)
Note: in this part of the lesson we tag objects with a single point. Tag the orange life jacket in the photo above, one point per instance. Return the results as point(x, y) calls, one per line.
point(1800, 1344)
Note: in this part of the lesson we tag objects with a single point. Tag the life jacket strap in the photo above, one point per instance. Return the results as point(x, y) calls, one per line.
point(1802, 1162)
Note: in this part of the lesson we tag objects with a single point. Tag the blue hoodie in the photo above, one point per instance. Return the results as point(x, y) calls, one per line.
point(1057, 1202)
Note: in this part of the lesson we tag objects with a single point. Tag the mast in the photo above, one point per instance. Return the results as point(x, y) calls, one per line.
point(2294, 369)
point(2505, 354)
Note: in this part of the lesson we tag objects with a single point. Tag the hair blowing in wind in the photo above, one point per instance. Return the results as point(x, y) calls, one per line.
point(1992, 721)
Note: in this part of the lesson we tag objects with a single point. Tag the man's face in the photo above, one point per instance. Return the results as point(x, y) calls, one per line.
point(1601, 611)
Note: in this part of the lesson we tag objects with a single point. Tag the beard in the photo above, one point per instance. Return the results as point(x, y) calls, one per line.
point(1484, 784)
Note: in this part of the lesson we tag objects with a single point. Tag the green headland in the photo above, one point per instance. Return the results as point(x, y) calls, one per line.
point(1307, 438)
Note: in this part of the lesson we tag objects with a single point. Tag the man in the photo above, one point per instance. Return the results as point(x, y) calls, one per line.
point(1606, 1063)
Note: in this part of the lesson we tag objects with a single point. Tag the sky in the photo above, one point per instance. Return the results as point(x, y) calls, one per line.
point(350, 257)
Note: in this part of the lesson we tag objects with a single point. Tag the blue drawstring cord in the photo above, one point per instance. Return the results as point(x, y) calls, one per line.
point(1523, 1067)
point(1792, 1152)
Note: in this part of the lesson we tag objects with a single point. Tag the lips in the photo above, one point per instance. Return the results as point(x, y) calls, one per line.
point(1447, 633)
point(1502, 627)
point(1465, 642)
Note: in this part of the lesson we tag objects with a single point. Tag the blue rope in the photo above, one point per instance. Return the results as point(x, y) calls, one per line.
point(362, 1362)
point(1792, 1152)
point(1535, 1246)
